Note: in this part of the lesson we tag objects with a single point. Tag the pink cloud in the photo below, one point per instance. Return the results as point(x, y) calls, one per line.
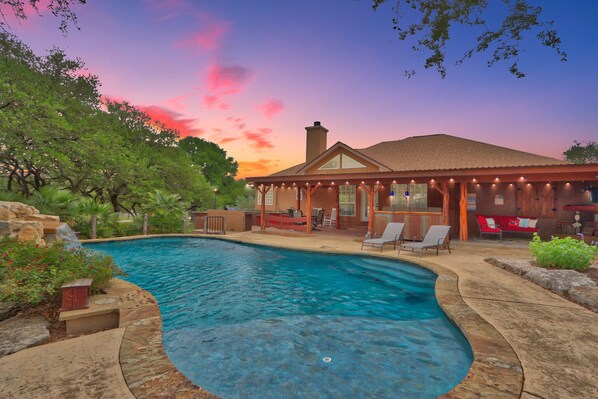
point(259, 140)
point(225, 140)
point(225, 80)
point(270, 108)
point(210, 101)
point(237, 122)
point(172, 120)
point(178, 102)
point(209, 37)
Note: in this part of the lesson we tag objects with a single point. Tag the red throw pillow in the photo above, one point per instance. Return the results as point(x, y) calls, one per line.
point(513, 223)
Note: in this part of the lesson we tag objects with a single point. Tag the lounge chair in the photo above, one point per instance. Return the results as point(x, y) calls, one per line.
point(330, 220)
point(436, 237)
point(392, 233)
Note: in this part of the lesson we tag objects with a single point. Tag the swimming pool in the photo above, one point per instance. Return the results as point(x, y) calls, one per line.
point(245, 321)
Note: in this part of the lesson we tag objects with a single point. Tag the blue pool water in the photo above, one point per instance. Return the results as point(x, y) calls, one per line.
point(257, 322)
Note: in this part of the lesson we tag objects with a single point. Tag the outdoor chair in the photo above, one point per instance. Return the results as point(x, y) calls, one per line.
point(436, 237)
point(317, 219)
point(330, 220)
point(392, 233)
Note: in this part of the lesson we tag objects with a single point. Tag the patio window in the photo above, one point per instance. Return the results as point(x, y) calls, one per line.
point(269, 197)
point(346, 200)
point(416, 201)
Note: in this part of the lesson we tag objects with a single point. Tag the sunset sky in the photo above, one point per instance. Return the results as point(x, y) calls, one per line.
point(250, 75)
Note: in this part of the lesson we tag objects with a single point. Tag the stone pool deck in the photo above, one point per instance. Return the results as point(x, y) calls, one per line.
point(553, 341)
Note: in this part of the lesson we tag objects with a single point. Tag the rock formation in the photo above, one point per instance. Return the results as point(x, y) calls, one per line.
point(24, 222)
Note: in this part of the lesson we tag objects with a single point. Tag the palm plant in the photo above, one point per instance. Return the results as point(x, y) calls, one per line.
point(166, 211)
point(54, 201)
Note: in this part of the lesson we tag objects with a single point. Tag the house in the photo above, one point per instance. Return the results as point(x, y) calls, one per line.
point(426, 180)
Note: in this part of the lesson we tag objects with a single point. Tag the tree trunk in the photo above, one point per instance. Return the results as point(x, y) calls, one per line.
point(94, 222)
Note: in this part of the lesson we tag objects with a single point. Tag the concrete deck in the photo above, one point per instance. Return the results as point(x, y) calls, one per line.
point(555, 341)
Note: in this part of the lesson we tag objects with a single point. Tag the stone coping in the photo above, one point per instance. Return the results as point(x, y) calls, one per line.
point(496, 371)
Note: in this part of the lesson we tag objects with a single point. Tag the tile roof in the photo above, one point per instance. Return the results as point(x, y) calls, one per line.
point(444, 152)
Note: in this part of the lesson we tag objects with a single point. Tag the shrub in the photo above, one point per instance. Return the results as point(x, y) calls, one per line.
point(563, 253)
point(30, 274)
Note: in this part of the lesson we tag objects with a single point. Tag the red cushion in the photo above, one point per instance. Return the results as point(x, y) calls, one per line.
point(484, 224)
point(482, 221)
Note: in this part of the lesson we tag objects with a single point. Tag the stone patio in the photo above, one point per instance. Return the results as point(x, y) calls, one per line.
point(553, 341)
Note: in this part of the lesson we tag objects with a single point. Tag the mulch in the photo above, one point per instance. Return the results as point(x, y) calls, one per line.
point(50, 311)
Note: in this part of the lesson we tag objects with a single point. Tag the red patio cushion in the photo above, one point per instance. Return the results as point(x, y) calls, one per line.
point(484, 224)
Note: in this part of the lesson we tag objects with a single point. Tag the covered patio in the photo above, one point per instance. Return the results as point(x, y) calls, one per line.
point(552, 194)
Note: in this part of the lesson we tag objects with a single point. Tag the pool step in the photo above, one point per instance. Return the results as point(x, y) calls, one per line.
point(102, 314)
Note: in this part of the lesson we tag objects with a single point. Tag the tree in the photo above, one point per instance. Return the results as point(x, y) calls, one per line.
point(580, 153)
point(432, 22)
point(45, 104)
point(59, 8)
point(218, 168)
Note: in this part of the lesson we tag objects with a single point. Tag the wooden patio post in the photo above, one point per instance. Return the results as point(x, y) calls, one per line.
point(298, 198)
point(310, 190)
point(372, 191)
point(463, 236)
point(263, 190)
point(308, 210)
point(444, 190)
point(338, 211)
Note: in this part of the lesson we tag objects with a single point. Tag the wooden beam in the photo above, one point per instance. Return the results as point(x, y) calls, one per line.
point(263, 190)
point(298, 198)
point(463, 236)
point(444, 190)
point(338, 211)
point(310, 190)
point(372, 191)
point(308, 210)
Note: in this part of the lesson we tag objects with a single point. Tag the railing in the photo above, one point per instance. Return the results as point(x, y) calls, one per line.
point(214, 225)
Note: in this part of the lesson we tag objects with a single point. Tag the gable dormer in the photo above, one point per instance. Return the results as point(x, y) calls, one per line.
point(340, 158)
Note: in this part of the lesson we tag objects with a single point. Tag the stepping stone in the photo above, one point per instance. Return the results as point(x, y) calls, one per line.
point(21, 332)
point(8, 309)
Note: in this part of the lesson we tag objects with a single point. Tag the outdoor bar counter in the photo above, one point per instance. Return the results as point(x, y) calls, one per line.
point(416, 223)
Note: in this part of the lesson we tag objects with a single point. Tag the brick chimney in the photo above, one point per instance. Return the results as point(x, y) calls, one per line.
point(316, 141)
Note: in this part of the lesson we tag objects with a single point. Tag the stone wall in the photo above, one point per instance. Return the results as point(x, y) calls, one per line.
point(23, 222)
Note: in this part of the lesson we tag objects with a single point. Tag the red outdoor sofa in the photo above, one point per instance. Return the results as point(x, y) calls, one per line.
point(510, 224)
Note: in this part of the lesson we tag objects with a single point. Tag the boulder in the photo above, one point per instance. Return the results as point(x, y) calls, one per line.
point(42, 218)
point(19, 209)
point(21, 332)
point(586, 296)
point(559, 281)
point(5, 229)
point(6, 214)
point(30, 233)
point(18, 225)
point(516, 266)
point(8, 309)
